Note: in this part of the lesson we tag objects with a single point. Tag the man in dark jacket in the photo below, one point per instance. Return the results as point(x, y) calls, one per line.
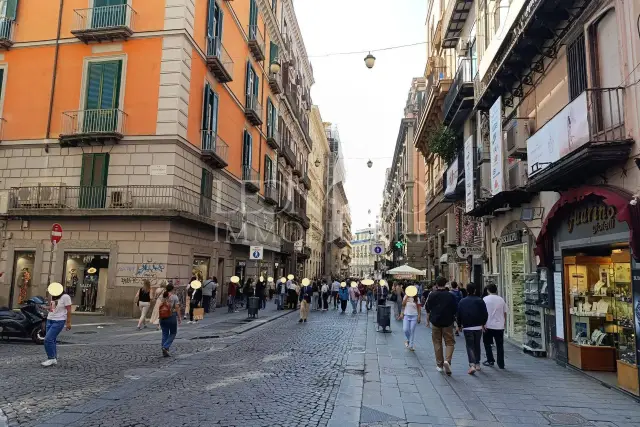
point(458, 294)
point(441, 310)
point(472, 316)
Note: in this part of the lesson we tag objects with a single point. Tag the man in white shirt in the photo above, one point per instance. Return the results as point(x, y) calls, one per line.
point(335, 287)
point(494, 328)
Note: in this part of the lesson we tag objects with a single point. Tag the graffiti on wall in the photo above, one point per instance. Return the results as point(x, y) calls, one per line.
point(136, 274)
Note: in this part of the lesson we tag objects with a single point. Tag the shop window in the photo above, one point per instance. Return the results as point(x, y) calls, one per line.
point(22, 277)
point(85, 280)
point(515, 265)
point(200, 268)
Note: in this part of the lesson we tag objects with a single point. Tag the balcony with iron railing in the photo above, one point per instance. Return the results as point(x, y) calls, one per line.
point(118, 201)
point(256, 42)
point(94, 125)
point(253, 110)
point(251, 179)
point(273, 136)
point(593, 141)
point(455, 16)
point(306, 181)
point(275, 83)
point(297, 169)
point(289, 155)
point(218, 60)
point(459, 100)
point(215, 152)
point(270, 193)
point(6, 32)
point(103, 23)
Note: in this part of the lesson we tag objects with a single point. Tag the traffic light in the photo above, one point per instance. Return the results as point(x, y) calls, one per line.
point(399, 245)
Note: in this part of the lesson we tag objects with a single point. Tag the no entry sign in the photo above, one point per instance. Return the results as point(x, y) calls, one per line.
point(56, 233)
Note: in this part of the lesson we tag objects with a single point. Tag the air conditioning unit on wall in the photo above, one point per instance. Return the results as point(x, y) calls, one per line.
point(516, 135)
point(463, 47)
point(518, 174)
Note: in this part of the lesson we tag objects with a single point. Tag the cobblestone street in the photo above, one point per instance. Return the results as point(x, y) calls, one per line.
point(334, 370)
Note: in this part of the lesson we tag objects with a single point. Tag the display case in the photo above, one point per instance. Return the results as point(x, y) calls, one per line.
point(534, 340)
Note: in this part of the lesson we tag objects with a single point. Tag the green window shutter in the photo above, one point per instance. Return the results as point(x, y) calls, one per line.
point(103, 85)
point(100, 169)
point(211, 21)
point(269, 117)
point(206, 113)
point(206, 184)
point(214, 112)
point(86, 171)
point(256, 84)
point(246, 149)
point(249, 80)
point(268, 167)
point(12, 9)
point(94, 84)
point(253, 12)
point(273, 52)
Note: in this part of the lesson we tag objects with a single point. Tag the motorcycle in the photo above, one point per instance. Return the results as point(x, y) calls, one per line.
point(28, 322)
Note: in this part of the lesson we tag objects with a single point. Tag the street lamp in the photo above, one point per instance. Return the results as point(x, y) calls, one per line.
point(369, 60)
point(274, 67)
point(369, 164)
point(317, 163)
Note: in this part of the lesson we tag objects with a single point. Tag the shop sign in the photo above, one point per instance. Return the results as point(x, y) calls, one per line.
point(564, 133)
point(635, 286)
point(255, 252)
point(452, 178)
point(468, 175)
point(466, 251)
point(495, 147)
point(600, 218)
point(511, 238)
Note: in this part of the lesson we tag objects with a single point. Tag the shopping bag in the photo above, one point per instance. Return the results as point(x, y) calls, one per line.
point(198, 313)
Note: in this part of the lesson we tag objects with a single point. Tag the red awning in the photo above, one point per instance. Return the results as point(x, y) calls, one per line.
point(612, 196)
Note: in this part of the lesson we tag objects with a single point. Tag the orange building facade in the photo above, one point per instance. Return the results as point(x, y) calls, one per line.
point(166, 137)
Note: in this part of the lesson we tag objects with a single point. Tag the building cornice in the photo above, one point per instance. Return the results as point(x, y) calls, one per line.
point(290, 14)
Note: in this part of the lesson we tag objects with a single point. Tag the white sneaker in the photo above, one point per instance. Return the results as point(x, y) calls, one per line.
point(477, 367)
point(438, 368)
point(189, 322)
point(447, 367)
point(50, 362)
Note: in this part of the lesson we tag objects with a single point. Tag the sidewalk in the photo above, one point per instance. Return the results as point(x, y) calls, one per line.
point(99, 329)
point(403, 388)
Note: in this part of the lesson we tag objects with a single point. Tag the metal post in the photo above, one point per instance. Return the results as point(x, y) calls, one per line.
point(53, 248)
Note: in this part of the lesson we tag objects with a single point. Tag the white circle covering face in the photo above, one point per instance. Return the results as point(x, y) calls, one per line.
point(269, 279)
point(343, 285)
point(305, 282)
point(196, 284)
point(235, 279)
point(291, 277)
point(411, 291)
point(55, 289)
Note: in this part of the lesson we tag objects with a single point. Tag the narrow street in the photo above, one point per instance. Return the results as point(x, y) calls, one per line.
point(332, 371)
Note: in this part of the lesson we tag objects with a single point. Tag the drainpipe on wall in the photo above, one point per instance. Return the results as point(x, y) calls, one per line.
point(54, 74)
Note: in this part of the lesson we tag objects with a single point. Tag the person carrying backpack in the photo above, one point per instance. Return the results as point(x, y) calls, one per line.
point(458, 297)
point(169, 313)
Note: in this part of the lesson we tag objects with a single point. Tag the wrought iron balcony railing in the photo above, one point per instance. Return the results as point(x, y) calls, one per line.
point(98, 124)
point(253, 110)
point(103, 22)
point(273, 137)
point(256, 42)
point(251, 179)
point(214, 150)
point(6, 32)
point(219, 60)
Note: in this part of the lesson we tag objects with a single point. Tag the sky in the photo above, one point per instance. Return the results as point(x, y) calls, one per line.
point(366, 104)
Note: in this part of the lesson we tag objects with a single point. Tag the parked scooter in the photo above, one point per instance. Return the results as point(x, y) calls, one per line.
point(28, 322)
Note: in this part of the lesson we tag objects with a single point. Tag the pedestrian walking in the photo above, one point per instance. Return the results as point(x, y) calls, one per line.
point(325, 296)
point(281, 290)
point(343, 294)
point(239, 296)
point(207, 293)
point(335, 288)
point(155, 318)
point(472, 316)
point(441, 309)
point(382, 291)
point(231, 294)
point(272, 287)
point(260, 293)
point(143, 300)
point(169, 313)
point(247, 291)
point(58, 318)
point(362, 291)
point(354, 296)
point(306, 294)
point(494, 328)
point(187, 304)
point(397, 298)
point(457, 293)
point(315, 297)
point(195, 300)
point(410, 315)
point(370, 296)
point(292, 293)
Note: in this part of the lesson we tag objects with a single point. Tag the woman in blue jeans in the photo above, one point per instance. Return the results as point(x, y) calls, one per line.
point(59, 316)
point(410, 315)
point(169, 325)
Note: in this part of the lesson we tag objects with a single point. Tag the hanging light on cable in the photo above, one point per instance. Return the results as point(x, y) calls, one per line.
point(369, 60)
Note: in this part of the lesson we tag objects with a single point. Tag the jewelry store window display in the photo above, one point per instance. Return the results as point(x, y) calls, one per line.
point(85, 280)
point(601, 315)
point(22, 273)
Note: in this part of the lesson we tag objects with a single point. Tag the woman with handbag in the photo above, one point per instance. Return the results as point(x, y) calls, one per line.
point(169, 313)
point(195, 301)
point(143, 300)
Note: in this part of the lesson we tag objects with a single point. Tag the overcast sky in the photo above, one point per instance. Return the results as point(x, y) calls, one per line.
point(366, 104)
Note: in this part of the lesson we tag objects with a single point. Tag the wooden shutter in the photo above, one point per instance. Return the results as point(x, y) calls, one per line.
point(256, 84)
point(103, 85)
point(206, 136)
point(214, 112)
point(86, 172)
point(94, 84)
point(211, 19)
point(269, 117)
point(273, 52)
point(100, 169)
point(268, 168)
point(206, 184)
point(253, 14)
point(246, 149)
point(12, 9)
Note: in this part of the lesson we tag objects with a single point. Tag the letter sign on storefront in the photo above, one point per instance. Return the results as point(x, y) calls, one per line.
point(600, 217)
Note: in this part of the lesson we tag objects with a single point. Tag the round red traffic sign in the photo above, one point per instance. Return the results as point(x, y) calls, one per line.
point(56, 233)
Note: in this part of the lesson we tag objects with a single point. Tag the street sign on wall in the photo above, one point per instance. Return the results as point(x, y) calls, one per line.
point(377, 248)
point(465, 251)
point(56, 233)
point(255, 252)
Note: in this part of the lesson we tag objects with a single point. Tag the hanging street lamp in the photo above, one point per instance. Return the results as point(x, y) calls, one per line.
point(369, 164)
point(369, 60)
point(274, 67)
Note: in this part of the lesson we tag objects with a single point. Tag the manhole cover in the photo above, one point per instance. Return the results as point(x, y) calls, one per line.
point(354, 371)
point(85, 332)
point(414, 372)
point(565, 419)
point(206, 337)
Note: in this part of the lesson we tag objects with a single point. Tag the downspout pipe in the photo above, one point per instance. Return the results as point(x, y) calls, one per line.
point(54, 74)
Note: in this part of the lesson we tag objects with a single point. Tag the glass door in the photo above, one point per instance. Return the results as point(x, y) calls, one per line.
point(515, 267)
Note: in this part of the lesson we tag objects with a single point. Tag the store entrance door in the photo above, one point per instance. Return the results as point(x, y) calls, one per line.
point(515, 266)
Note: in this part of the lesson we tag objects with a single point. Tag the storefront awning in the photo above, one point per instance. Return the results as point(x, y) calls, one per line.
point(444, 258)
point(612, 196)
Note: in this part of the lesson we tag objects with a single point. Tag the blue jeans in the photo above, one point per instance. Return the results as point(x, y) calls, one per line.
point(369, 300)
point(169, 328)
point(54, 327)
point(409, 324)
point(354, 304)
